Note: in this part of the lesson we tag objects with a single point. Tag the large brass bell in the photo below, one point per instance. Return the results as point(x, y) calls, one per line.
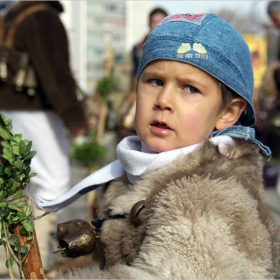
point(76, 238)
point(67, 228)
point(77, 244)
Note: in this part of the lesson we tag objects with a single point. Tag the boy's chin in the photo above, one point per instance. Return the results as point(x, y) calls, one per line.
point(157, 147)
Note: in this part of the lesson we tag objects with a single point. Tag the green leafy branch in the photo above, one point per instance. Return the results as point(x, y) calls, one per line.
point(15, 160)
point(105, 86)
point(88, 153)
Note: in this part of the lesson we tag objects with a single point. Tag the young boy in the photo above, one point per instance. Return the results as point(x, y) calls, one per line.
point(187, 196)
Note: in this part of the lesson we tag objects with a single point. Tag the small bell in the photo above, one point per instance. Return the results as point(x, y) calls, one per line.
point(3, 71)
point(30, 82)
point(19, 80)
point(137, 212)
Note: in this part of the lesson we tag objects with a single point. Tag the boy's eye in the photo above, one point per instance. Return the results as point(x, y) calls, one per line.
point(190, 89)
point(156, 82)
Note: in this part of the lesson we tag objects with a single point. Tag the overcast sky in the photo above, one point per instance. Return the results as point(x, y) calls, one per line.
point(243, 7)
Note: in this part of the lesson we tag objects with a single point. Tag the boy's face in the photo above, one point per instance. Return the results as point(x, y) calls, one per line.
point(177, 105)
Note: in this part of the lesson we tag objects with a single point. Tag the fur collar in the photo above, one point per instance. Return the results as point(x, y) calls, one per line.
point(203, 162)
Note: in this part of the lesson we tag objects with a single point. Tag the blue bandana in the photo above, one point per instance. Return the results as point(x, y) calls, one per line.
point(209, 43)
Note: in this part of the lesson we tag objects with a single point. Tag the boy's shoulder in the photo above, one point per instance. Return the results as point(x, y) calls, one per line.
point(235, 168)
point(220, 161)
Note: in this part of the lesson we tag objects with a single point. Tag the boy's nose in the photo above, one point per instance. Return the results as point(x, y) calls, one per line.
point(165, 100)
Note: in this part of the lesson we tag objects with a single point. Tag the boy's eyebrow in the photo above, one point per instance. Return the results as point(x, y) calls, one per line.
point(184, 77)
point(156, 73)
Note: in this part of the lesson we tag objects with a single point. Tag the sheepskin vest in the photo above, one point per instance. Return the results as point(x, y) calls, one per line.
point(204, 217)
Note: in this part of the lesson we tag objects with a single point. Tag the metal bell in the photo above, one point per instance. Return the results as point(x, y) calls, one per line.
point(19, 79)
point(4, 58)
point(30, 82)
point(77, 244)
point(22, 72)
point(3, 71)
point(68, 228)
point(137, 212)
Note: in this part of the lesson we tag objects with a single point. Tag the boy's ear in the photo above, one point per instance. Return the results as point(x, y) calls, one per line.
point(231, 114)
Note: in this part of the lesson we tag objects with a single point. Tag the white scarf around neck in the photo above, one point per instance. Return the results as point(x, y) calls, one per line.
point(134, 159)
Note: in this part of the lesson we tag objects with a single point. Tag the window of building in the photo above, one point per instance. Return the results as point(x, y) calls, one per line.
point(95, 6)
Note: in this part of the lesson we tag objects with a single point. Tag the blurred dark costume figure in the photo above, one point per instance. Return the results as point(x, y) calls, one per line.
point(271, 86)
point(273, 10)
point(42, 37)
point(38, 92)
point(270, 97)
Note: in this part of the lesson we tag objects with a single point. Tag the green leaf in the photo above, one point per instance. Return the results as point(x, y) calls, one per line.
point(17, 138)
point(15, 186)
point(4, 213)
point(5, 144)
point(3, 204)
point(18, 164)
point(15, 172)
point(8, 170)
point(27, 170)
point(7, 153)
point(17, 196)
point(22, 149)
point(13, 240)
point(12, 206)
point(28, 147)
point(21, 215)
point(24, 249)
point(23, 231)
point(28, 226)
point(27, 210)
point(26, 180)
point(13, 219)
point(4, 133)
point(20, 204)
point(32, 175)
point(30, 155)
point(16, 150)
point(2, 194)
point(4, 120)
point(105, 86)
point(29, 238)
point(12, 260)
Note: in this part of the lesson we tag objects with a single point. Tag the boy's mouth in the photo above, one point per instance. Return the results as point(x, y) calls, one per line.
point(161, 125)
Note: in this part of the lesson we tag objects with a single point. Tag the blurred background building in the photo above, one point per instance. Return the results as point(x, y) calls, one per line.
point(92, 25)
